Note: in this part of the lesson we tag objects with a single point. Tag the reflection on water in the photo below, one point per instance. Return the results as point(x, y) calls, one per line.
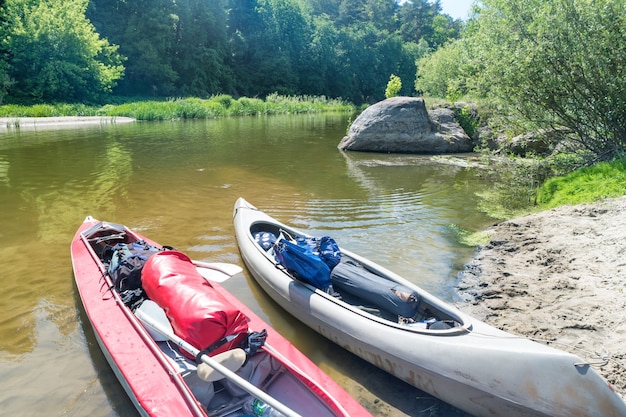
point(176, 182)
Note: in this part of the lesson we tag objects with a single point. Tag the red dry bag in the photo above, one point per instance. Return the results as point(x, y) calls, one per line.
point(198, 313)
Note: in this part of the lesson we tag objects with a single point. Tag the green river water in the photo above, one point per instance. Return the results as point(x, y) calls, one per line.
point(176, 182)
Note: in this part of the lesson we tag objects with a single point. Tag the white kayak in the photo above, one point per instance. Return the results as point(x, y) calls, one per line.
point(439, 349)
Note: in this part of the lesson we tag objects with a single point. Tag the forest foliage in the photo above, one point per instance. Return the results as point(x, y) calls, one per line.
point(86, 50)
point(551, 65)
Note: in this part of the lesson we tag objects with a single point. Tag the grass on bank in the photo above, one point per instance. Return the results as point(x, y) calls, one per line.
point(525, 185)
point(187, 108)
point(505, 200)
point(585, 185)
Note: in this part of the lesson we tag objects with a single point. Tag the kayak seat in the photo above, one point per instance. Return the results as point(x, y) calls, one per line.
point(260, 370)
point(202, 390)
point(201, 385)
point(152, 310)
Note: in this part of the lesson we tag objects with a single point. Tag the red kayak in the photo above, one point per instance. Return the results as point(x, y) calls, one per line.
point(180, 344)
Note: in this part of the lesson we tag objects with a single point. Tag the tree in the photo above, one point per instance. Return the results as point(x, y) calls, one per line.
point(446, 71)
point(329, 8)
point(200, 48)
point(322, 67)
point(367, 57)
point(558, 63)
point(54, 53)
point(292, 34)
point(414, 19)
point(344, 48)
point(6, 82)
point(173, 47)
point(269, 40)
point(443, 28)
point(146, 32)
point(422, 20)
point(407, 65)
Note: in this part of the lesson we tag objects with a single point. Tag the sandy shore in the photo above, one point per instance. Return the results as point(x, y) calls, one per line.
point(558, 276)
point(8, 123)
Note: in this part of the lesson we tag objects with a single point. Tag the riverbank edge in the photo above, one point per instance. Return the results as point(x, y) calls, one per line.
point(557, 277)
point(15, 123)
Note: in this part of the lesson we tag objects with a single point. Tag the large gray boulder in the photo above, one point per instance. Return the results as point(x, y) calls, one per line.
point(403, 125)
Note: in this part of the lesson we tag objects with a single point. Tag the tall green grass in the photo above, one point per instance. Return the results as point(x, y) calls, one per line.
point(47, 110)
point(585, 185)
point(187, 108)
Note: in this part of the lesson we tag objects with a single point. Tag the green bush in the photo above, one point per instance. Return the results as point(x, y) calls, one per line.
point(556, 64)
point(224, 99)
point(468, 120)
point(393, 86)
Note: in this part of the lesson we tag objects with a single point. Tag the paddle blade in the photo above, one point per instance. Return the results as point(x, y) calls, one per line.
point(231, 360)
point(148, 312)
point(217, 271)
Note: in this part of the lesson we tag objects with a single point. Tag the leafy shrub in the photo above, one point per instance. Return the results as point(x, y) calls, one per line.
point(468, 120)
point(224, 99)
point(393, 86)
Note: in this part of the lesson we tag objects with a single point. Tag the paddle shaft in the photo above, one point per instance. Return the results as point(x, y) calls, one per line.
point(239, 381)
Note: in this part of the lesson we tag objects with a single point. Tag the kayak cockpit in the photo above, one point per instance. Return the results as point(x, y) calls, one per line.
point(223, 397)
point(366, 290)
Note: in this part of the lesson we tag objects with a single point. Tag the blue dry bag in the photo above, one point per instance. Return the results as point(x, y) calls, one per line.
point(329, 251)
point(325, 247)
point(302, 263)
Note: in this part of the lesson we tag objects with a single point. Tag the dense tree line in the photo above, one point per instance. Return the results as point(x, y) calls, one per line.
point(83, 50)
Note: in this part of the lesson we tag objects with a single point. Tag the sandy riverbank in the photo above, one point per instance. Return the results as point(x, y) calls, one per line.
point(558, 276)
point(11, 123)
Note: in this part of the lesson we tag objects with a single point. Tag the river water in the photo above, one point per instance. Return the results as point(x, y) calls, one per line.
point(176, 182)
